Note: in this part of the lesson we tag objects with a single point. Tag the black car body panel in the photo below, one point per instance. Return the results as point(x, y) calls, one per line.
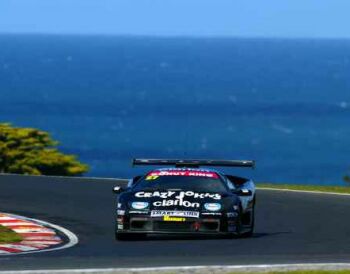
point(181, 213)
point(187, 201)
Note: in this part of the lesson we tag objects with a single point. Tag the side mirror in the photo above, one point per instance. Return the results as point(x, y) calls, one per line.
point(242, 192)
point(133, 181)
point(118, 189)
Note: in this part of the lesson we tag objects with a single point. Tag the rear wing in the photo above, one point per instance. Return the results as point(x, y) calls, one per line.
point(193, 163)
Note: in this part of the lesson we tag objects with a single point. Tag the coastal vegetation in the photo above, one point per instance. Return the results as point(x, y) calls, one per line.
point(33, 151)
point(346, 271)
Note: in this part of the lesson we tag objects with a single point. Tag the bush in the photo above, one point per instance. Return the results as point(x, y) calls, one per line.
point(32, 151)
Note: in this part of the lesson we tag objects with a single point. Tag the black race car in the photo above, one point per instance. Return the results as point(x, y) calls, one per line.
point(186, 199)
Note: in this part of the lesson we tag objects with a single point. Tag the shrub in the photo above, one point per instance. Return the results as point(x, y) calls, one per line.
point(32, 151)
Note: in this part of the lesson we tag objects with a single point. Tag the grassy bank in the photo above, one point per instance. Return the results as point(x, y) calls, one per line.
point(264, 272)
point(8, 236)
point(336, 189)
point(301, 272)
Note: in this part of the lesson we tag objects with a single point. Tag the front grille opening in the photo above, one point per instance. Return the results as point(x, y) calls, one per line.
point(138, 224)
point(210, 226)
point(173, 226)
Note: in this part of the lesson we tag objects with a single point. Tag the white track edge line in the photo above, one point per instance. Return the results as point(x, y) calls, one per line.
point(72, 238)
point(261, 267)
point(304, 191)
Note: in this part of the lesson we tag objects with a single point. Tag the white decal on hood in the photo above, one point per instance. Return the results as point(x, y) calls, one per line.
point(179, 202)
point(177, 199)
point(181, 195)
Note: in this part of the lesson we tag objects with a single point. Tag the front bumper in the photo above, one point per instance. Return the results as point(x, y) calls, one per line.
point(151, 225)
point(152, 232)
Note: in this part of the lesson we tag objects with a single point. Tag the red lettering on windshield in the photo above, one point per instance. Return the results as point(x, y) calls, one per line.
point(184, 173)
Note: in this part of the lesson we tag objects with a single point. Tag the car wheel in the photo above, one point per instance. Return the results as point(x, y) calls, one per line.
point(238, 231)
point(250, 232)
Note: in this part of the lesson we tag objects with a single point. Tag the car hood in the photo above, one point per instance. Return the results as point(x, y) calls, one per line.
point(180, 200)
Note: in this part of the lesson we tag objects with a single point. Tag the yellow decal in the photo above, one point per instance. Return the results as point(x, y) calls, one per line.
point(149, 178)
point(173, 219)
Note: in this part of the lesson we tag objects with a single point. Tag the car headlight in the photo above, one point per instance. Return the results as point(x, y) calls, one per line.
point(212, 206)
point(139, 205)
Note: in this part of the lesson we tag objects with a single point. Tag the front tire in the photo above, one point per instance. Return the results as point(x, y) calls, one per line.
point(250, 232)
point(238, 231)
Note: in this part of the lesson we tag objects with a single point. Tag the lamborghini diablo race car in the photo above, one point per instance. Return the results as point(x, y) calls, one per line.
point(186, 199)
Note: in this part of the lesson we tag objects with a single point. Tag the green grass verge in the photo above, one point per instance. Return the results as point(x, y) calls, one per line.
point(301, 272)
point(277, 272)
point(337, 189)
point(8, 236)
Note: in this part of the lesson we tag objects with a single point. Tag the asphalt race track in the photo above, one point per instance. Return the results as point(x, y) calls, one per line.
point(290, 228)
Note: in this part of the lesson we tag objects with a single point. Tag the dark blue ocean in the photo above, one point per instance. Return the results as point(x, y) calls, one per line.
point(284, 103)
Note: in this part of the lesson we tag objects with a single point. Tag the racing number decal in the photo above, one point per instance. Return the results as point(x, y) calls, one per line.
point(151, 177)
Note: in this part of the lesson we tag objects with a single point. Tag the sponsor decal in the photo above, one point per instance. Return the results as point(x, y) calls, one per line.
point(137, 212)
point(121, 212)
point(211, 213)
point(119, 205)
point(207, 174)
point(150, 178)
point(173, 219)
point(231, 214)
point(176, 198)
point(139, 205)
point(179, 195)
point(176, 203)
point(212, 206)
point(187, 214)
point(120, 227)
point(120, 220)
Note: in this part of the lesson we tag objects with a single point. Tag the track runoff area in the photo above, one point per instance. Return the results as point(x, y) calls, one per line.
point(294, 230)
point(37, 236)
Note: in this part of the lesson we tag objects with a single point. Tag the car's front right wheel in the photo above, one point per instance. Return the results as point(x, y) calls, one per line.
point(251, 216)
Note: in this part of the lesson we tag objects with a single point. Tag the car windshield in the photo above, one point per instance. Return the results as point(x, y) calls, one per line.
point(186, 183)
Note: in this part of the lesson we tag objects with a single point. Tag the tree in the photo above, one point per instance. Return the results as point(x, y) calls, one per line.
point(32, 151)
